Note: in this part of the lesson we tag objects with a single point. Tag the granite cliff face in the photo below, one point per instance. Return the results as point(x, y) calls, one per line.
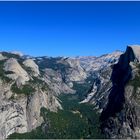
point(100, 68)
point(120, 117)
point(28, 84)
point(22, 94)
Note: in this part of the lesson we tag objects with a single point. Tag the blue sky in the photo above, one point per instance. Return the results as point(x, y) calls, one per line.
point(68, 28)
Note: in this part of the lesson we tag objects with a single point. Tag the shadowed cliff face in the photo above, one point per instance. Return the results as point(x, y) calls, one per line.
point(121, 74)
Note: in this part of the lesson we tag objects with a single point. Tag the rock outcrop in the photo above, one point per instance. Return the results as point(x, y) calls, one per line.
point(55, 81)
point(2, 57)
point(76, 72)
point(21, 113)
point(22, 96)
point(16, 71)
point(33, 66)
point(120, 118)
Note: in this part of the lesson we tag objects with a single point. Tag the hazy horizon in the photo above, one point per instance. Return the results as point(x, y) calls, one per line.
point(25, 54)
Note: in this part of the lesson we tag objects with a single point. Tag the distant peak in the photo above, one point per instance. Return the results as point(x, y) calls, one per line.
point(136, 51)
point(17, 53)
point(136, 45)
point(118, 51)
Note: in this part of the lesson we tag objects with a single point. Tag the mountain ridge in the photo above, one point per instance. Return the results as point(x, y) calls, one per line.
point(120, 117)
point(34, 83)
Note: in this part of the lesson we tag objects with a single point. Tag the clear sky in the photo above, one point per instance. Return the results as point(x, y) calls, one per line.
point(68, 28)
